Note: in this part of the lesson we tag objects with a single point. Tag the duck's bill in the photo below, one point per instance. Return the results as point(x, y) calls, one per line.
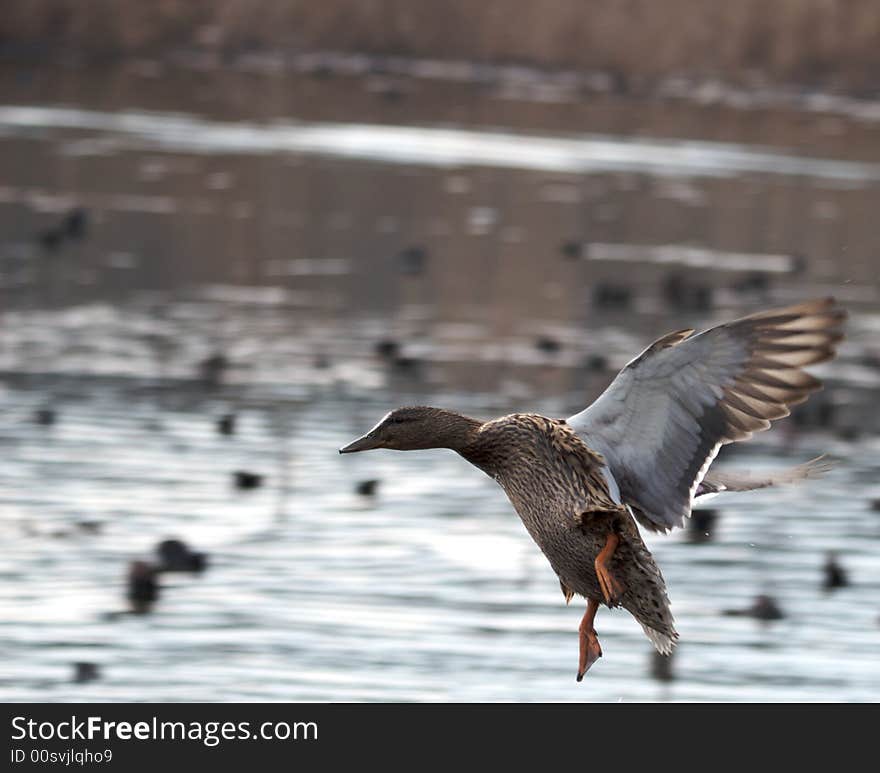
point(365, 443)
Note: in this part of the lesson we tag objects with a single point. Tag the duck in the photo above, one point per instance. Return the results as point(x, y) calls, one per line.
point(143, 586)
point(835, 576)
point(764, 608)
point(638, 456)
point(246, 481)
point(176, 556)
point(367, 488)
point(85, 671)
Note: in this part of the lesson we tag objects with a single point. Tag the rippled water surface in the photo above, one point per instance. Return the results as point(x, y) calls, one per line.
point(296, 230)
point(431, 591)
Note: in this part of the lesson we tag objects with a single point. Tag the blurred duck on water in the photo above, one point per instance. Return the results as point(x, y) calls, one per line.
point(85, 671)
point(640, 453)
point(176, 556)
point(212, 369)
point(835, 575)
point(72, 227)
point(143, 587)
point(45, 417)
point(226, 424)
point(246, 481)
point(367, 488)
point(764, 608)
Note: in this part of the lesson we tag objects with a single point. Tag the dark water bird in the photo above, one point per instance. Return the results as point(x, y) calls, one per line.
point(412, 260)
point(73, 226)
point(571, 249)
point(639, 453)
point(387, 348)
point(89, 527)
point(798, 263)
point(875, 504)
point(764, 608)
point(701, 524)
point(367, 488)
point(143, 586)
point(833, 574)
point(687, 294)
point(607, 295)
point(45, 417)
point(596, 363)
point(51, 239)
point(75, 223)
point(212, 369)
point(83, 671)
point(176, 556)
point(226, 424)
point(247, 480)
point(547, 345)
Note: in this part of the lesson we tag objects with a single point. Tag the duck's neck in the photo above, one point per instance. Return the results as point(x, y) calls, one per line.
point(453, 430)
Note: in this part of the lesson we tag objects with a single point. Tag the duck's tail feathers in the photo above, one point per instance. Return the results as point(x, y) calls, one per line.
point(663, 642)
point(717, 481)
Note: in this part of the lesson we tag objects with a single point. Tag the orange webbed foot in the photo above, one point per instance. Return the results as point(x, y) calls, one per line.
point(590, 651)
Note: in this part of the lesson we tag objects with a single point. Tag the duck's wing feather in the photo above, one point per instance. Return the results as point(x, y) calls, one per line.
point(663, 419)
point(717, 481)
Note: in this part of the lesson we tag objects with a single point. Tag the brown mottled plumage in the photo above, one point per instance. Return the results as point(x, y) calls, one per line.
point(643, 450)
point(555, 483)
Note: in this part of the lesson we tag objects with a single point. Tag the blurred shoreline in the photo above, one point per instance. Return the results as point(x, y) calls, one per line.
point(630, 48)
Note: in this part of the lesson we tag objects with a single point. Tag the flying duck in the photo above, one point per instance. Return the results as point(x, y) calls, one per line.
point(640, 453)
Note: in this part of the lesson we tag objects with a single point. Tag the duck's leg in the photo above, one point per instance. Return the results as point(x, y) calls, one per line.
point(611, 588)
point(590, 651)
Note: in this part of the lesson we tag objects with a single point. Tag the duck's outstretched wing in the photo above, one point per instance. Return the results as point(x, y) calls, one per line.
point(662, 420)
point(717, 481)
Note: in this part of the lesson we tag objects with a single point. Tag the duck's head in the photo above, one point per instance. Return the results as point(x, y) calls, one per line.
point(414, 428)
